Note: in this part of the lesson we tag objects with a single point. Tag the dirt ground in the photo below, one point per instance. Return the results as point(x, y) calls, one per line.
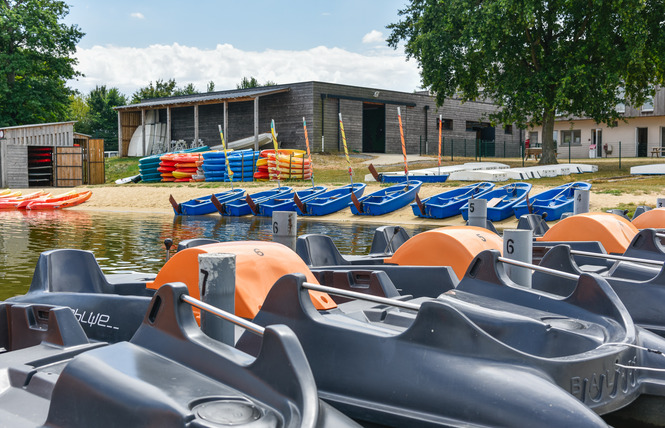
point(145, 198)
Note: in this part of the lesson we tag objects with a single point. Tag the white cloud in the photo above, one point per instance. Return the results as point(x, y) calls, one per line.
point(373, 37)
point(129, 69)
point(137, 15)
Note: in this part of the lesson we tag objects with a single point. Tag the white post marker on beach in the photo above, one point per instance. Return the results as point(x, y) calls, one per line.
point(518, 245)
point(478, 212)
point(284, 228)
point(217, 285)
point(581, 202)
point(660, 203)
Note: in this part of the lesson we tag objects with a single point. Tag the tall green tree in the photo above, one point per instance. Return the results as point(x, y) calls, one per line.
point(36, 60)
point(102, 119)
point(161, 89)
point(538, 59)
point(251, 82)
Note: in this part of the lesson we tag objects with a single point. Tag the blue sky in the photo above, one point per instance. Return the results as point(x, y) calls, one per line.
point(130, 43)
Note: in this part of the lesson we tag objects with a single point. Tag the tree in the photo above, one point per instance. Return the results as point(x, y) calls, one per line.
point(535, 59)
point(80, 112)
point(210, 87)
point(251, 82)
point(102, 119)
point(160, 89)
point(36, 60)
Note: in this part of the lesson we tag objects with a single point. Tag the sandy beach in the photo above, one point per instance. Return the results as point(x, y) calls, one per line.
point(146, 198)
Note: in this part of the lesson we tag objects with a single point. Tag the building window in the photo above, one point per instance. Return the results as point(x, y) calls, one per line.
point(647, 107)
point(508, 129)
point(446, 124)
point(571, 137)
point(474, 126)
point(621, 107)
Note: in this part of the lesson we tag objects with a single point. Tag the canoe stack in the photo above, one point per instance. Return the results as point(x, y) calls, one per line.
point(152, 169)
point(285, 164)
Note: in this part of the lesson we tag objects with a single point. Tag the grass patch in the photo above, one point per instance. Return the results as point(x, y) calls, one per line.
point(615, 192)
point(331, 169)
point(120, 168)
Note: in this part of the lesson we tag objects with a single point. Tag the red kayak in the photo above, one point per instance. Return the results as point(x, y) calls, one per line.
point(75, 198)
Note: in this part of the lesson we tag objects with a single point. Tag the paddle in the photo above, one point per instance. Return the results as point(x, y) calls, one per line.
point(420, 204)
point(252, 205)
point(298, 202)
point(401, 134)
point(528, 204)
point(176, 206)
point(309, 155)
point(217, 204)
point(354, 198)
point(274, 142)
point(356, 202)
point(226, 157)
point(440, 124)
point(374, 173)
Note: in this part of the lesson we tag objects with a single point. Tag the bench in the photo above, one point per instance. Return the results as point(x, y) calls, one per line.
point(535, 152)
point(656, 151)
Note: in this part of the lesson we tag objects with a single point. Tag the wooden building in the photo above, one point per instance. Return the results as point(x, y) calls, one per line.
point(49, 154)
point(369, 114)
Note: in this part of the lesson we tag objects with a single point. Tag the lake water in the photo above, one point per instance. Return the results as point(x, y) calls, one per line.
point(134, 241)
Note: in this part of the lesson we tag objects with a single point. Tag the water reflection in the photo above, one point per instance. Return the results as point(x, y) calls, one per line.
point(134, 241)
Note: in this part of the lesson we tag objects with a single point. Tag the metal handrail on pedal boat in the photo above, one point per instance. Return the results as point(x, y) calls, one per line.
point(248, 325)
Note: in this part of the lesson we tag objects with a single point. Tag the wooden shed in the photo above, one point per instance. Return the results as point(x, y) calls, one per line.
point(49, 154)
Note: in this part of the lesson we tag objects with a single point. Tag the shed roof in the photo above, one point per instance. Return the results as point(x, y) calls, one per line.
point(37, 125)
point(235, 95)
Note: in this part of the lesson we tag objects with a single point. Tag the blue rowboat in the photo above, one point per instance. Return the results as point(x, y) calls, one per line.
point(551, 203)
point(204, 205)
point(387, 200)
point(500, 201)
point(287, 202)
point(239, 207)
point(429, 178)
point(331, 201)
point(448, 203)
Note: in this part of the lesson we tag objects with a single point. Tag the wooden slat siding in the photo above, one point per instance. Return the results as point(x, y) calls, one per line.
point(15, 165)
point(352, 114)
point(44, 135)
point(95, 161)
point(68, 166)
point(130, 121)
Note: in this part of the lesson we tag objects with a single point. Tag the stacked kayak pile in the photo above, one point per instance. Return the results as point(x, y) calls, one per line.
point(178, 167)
point(241, 162)
point(152, 170)
point(41, 200)
point(287, 164)
point(214, 166)
point(243, 165)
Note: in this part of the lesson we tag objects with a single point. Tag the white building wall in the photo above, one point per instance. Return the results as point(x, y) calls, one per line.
point(624, 133)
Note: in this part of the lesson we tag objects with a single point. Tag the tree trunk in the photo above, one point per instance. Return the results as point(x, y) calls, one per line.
point(549, 145)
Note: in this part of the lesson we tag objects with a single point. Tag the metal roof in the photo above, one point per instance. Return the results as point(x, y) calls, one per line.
point(37, 125)
point(207, 98)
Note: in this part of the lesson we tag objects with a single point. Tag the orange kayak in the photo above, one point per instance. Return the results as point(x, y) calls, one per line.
point(46, 198)
point(12, 203)
point(62, 201)
point(9, 194)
